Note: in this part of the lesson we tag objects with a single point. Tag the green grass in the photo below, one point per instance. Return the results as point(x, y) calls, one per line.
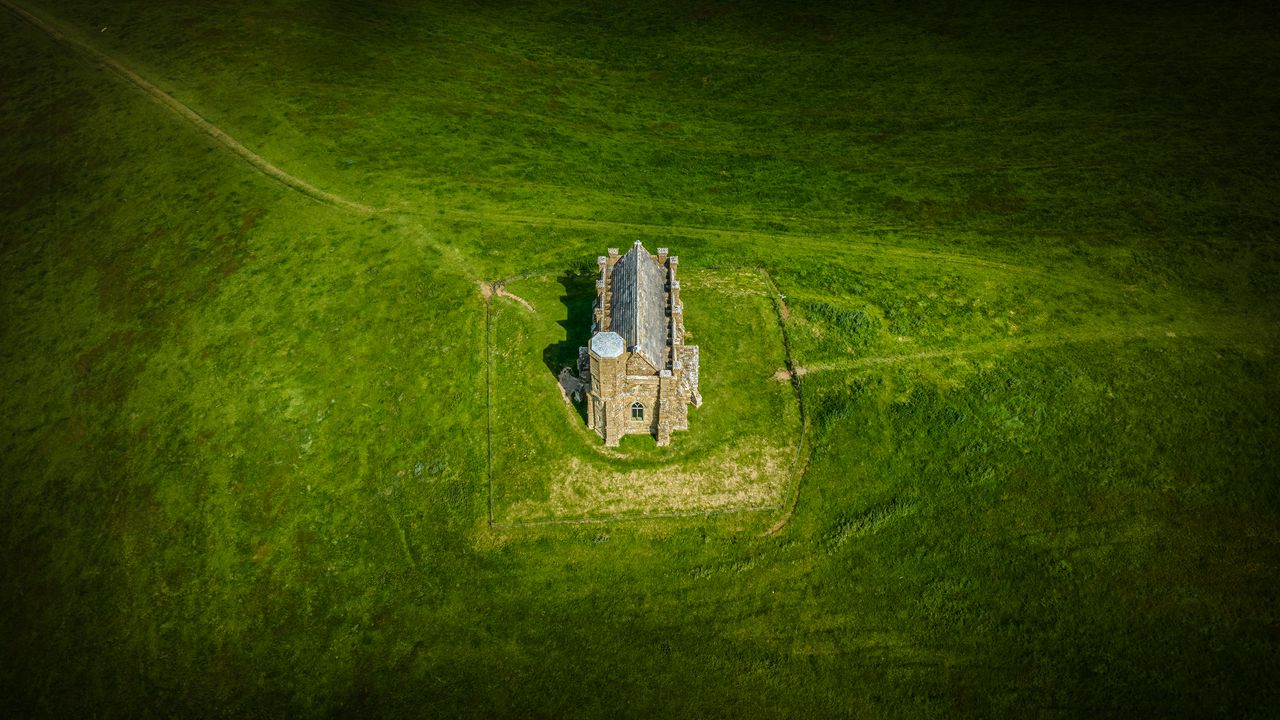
point(1030, 273)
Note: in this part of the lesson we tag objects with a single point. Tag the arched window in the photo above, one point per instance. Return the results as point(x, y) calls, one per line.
point(637, 411)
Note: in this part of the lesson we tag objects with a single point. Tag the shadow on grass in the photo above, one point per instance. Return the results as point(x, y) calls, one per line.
point(579, 295)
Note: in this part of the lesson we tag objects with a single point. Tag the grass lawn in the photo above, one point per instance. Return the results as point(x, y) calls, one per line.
point(1020, 261)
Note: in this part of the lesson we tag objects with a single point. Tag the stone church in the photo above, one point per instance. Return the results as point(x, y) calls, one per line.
point(639, 377)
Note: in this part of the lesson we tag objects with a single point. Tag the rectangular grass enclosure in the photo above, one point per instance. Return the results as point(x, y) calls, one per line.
point(546, 465)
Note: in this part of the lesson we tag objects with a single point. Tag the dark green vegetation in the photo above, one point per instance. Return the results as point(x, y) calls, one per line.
point(1031, 262)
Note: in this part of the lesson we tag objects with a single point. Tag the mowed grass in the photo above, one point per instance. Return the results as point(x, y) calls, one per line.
point(739, 452)
point(1026, 261)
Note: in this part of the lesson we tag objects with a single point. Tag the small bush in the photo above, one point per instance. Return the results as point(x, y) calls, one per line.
point(855, 326)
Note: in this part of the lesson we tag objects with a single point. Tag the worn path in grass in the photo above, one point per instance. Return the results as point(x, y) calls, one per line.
point(830, 242)
point(1236, 330)
point(1233, 329)
point(168, 101)
point(229, 143)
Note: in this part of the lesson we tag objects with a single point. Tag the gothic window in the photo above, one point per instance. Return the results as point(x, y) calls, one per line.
point(637, 411)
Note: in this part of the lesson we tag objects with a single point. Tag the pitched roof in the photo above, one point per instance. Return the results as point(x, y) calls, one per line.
point(637, 312)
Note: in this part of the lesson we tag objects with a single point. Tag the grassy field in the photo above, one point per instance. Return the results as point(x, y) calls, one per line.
point(1026, 264)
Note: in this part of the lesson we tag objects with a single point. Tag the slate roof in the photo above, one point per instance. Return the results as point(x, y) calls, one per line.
point(638, 311)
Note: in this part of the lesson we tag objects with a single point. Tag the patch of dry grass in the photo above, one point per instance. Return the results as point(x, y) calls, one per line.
point(745, 476)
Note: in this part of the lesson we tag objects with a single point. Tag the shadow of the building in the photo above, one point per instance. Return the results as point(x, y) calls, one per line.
point(578, 298)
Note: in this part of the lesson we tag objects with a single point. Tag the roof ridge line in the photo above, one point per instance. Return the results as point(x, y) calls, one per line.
point(635, 318)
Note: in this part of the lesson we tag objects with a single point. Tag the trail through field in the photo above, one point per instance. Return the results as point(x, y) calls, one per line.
point(1221, 328)
point(1236, 330)
point(501, 290)
point(178, 107)
point(830, 244)
point(827, 243)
